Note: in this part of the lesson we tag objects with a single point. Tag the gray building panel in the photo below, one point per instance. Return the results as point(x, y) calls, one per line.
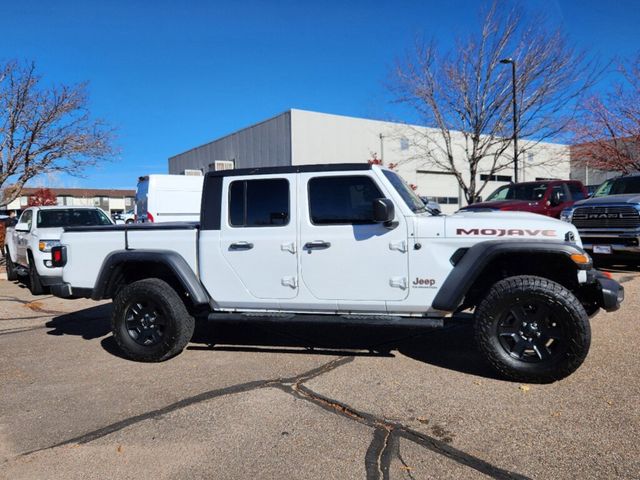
point(590, 176)
point(266, 144)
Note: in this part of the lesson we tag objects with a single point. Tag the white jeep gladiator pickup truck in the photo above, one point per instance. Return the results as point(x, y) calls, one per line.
point(347, 240)
point(28, 244)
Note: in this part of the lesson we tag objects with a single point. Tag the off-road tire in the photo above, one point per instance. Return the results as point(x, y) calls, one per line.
point(566, 314)
point(12, 274)
point(177, 330)
point(35, 285)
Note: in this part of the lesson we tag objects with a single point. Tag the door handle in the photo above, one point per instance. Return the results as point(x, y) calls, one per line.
point(317, 245)
point(241, 246)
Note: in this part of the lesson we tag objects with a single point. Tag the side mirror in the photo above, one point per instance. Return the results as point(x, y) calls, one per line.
point(22, 227)
point(383, 211)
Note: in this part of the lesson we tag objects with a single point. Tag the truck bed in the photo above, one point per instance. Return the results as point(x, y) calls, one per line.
point(88, 247)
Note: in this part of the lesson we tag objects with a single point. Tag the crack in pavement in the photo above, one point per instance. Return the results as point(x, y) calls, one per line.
point(404, 464)
point(396, 429)
point(32, 304)
point(11, 331)
point(384, 444)
point(201, 397)
point(372, 459)
point(23, 318)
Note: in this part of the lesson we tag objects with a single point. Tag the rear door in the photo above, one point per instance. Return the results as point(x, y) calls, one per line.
point(258, 235)
point(344, 254)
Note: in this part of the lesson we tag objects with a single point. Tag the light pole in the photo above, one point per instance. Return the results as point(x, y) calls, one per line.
point(515, 115)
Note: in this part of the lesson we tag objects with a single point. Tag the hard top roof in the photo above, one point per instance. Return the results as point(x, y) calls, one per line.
point(324, 167)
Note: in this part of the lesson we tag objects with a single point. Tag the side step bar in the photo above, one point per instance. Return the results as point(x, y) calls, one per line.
point(359, 320)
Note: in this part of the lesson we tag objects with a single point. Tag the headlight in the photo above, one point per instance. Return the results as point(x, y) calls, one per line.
point(47, 245)
point(566, 215)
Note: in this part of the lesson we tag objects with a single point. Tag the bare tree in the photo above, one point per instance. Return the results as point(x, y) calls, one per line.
point(44, 129)
point(607, 133)
point(467, 90)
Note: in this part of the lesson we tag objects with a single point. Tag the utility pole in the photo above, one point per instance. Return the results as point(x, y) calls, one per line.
point(515, 115)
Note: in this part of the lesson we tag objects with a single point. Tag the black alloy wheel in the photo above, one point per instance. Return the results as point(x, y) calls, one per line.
point(145, 323)
point(531, 332)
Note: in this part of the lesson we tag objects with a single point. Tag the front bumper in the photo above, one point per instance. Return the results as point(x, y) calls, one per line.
point(611, 294)
point(620, 241)
point(601, 291)
point(616, 246)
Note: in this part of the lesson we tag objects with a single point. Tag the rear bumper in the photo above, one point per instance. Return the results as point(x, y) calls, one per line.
point(49, 281)
point(64, 290)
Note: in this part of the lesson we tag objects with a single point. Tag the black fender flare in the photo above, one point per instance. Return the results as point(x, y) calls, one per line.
point(175, 262)
point(470, 264)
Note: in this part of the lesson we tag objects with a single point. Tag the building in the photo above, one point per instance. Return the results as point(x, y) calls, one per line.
point(299, 137)
point(110, 200)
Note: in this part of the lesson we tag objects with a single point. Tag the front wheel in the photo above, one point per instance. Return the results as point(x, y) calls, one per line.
point(150, 322)
point(12, 274)
point(532, 329)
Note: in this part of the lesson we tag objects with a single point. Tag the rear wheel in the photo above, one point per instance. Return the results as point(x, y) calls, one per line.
point(35, 285)
point(12, 274)
point(532, 329)
point(150, 322)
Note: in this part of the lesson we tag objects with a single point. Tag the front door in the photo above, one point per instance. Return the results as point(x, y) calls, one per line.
point(258, 238)
point(561, 194)
point(344, 254)
point(22, 238)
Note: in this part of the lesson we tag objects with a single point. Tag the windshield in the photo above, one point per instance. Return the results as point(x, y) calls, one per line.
point(618, 186)
point(72, 218)
point(410, 197)
point(519, 191)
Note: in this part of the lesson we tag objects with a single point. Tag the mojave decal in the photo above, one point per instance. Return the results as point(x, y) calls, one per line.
point(501, 232)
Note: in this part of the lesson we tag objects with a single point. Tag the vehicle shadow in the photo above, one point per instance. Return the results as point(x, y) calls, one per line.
point(451, 347)
point(90, 323)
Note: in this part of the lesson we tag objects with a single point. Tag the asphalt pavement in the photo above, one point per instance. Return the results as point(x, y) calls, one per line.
point(283, 400)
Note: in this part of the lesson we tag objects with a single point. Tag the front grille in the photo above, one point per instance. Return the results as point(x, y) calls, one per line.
point(606, 217)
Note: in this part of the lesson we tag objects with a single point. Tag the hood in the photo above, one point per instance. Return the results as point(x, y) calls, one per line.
point(522, 225)
point(498, 204)
point(53, 233)
point(626, 198)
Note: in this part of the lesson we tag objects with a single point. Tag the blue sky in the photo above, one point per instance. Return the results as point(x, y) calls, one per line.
point(171, 75)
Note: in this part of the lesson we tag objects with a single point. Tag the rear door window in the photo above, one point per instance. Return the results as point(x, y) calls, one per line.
point(259, 203)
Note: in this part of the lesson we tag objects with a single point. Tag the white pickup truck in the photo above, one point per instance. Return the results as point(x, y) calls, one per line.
point(28, 244)
point(348, 241)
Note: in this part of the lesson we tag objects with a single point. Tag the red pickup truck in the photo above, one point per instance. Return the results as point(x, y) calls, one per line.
point(546, 197)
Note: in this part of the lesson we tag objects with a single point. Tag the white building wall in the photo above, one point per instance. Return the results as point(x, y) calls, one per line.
point(325, 138)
